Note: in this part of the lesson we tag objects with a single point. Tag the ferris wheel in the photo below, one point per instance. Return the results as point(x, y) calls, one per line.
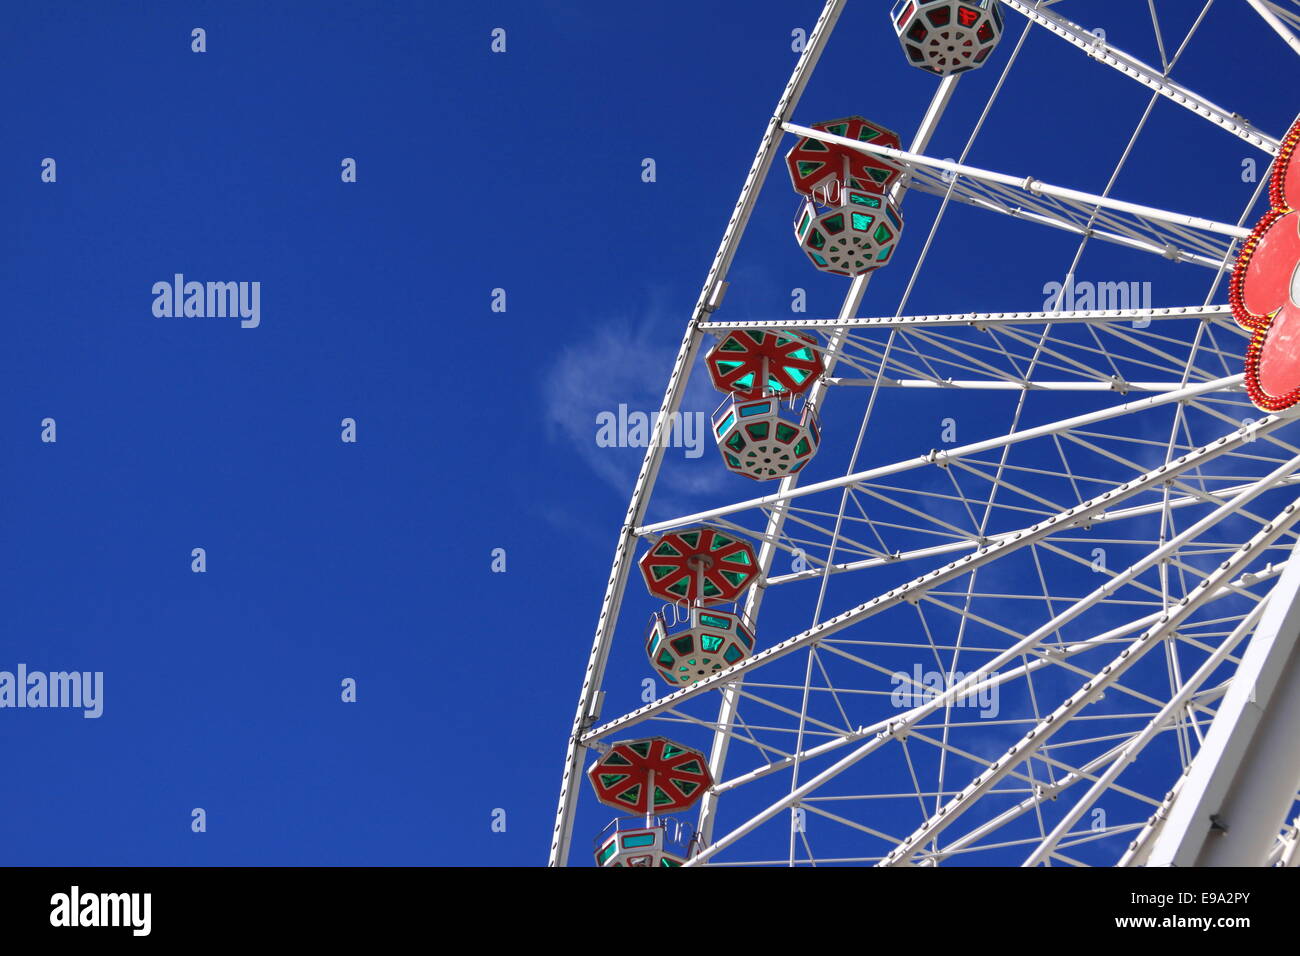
point(1069, 641)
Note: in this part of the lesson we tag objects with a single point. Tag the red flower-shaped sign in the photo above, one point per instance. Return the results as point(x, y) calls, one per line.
point(623, 776)
point(1265, 288)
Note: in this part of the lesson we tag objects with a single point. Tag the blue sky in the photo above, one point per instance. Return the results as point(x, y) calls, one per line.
point(476, 430)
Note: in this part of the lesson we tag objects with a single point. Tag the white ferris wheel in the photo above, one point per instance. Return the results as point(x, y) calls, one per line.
point(1070, 637)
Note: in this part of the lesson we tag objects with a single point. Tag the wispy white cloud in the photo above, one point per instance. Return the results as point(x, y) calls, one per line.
point(627, 362)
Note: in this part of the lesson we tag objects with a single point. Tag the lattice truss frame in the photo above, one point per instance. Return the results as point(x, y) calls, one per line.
point(1099, 576)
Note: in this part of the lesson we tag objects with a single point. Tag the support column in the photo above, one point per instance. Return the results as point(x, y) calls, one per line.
point(1240, 788)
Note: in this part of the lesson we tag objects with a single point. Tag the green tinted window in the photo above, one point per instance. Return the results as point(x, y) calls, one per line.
point(735, 577)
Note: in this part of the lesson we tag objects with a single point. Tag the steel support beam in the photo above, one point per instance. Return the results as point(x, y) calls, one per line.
point(939, 457)
point(1266, 11)
point(980, 320)
point(1067, 709)
point(993, 384)
point(588, 710)
point(1026, 183)
point(776, 519)
point(970, 544)
point(1078, 515)
point(1239, 791)
point(1002, 677)
point(1148, 76)
point(1160, 722)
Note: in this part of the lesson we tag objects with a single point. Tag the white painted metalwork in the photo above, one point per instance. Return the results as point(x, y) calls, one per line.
point(1245, 777)
point(1130, 224)
point(672, 401)
point(1269, 12)
point(1114, 570)
point(983, 320)
point(1097, 48)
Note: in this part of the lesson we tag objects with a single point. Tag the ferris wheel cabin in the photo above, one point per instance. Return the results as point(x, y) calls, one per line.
point(713, 642)
point(947, 36)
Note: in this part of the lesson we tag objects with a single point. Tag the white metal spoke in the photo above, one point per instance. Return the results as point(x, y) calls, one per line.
point(1156, 80)
point(927, 174)
point(966, 646)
